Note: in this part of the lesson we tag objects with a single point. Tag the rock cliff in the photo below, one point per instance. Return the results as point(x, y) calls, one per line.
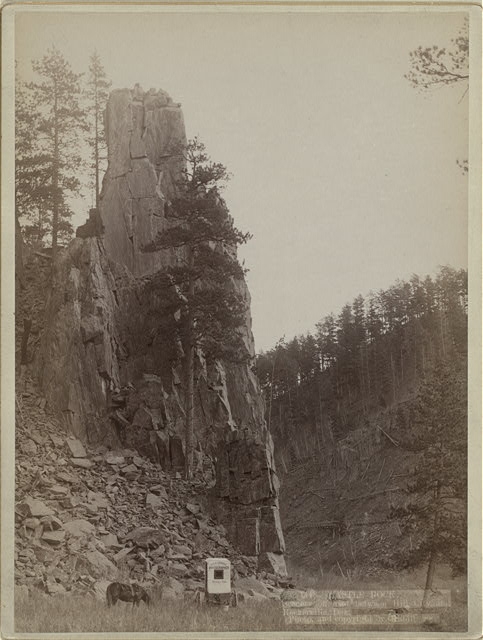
point(104, 362)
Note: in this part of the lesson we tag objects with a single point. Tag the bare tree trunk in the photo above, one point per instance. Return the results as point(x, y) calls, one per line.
point(27, 325)
point(39, 228)
point(394, 383)
point(55, 181)
point(434, 552)
point(96, 145)
point(368, 373)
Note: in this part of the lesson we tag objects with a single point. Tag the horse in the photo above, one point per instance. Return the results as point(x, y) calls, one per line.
point(127, 593)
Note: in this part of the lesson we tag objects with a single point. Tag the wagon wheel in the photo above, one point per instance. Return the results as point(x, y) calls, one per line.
point(234, 598)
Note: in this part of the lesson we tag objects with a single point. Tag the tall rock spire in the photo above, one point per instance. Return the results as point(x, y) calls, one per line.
point(145, 134)
point(104, 362)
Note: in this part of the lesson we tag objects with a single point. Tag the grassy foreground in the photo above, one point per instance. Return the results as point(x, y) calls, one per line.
point(39, 613)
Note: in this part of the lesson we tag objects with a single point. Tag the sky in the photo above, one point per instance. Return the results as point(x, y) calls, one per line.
point(345, 174)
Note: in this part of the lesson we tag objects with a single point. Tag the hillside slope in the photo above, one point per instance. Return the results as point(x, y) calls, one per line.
point(88, 515)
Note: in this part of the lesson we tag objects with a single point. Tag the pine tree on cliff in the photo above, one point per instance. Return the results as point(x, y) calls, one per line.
point(97, 93)
point(61, 119)
point(201, 228)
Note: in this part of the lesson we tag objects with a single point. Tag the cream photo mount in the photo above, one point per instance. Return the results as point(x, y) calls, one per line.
point(53, 16)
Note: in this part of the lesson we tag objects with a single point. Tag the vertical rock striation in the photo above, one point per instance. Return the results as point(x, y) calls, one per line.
point(145, 133)
point(104, 361)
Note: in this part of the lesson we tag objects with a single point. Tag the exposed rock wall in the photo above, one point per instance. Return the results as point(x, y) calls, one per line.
point(145, 132)
point(81, 350)
point(105, 362)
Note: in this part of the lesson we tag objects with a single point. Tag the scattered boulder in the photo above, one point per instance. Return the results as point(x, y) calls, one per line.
point(53, 537)
point(122, 554)
point(51, 523)
point(76, 448)
point(154, 501)
point(103, 501)
point(29, 448)
point(98, 565)
point(64, 476)
point(113, 458)
point(54, 588)
point(146, 537)
point(79, 528)
point(99, 589)
point(159, 552)
point(37, 508)
point(249, 585)
point(109, 540)
point(44, 555)
point(193, 508)
point(273, 562)
point(182, 550)
point(175, 586)
point(37, 437)
point(31, 523)
point(178, 569)
point(98, 499)
point(160, 491)
point(83, 463)
point(59, 490)
point(130, 469)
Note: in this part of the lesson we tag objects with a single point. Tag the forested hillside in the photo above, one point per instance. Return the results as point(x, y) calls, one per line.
point(370, 355)
point(358, 409)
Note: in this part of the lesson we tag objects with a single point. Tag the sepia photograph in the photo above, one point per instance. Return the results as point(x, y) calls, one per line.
point(241, 320)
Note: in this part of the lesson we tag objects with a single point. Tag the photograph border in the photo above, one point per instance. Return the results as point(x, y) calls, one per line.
point(474, 294)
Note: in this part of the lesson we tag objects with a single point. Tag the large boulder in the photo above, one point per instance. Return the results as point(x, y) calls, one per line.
point(37, 508)
point(97, 565)
point(248, 585)
point(145, 537)
point(79, 528)
point(99, 589)
point(273, 563)
point(76, 448)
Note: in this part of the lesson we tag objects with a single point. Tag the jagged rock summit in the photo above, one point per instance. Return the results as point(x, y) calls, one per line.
point(104, 363)
point(145, 135)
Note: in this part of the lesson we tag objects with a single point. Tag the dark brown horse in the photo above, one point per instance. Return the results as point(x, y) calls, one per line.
point(127, 593)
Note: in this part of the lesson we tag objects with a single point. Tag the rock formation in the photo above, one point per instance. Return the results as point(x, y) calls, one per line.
point(106, 365)
point(85, 516)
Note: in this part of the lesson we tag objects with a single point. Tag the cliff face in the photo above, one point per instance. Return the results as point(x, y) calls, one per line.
point(106, 365)
point(145, 133)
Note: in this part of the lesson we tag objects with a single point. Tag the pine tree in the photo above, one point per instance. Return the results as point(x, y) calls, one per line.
point(213, 311)
point(436, 65)
point(60, 120)
point(327, 340)
point(32, 193)
point(436, 510)
point(97, 93)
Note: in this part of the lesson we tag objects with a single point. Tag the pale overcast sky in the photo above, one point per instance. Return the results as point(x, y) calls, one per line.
point(344, 173)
